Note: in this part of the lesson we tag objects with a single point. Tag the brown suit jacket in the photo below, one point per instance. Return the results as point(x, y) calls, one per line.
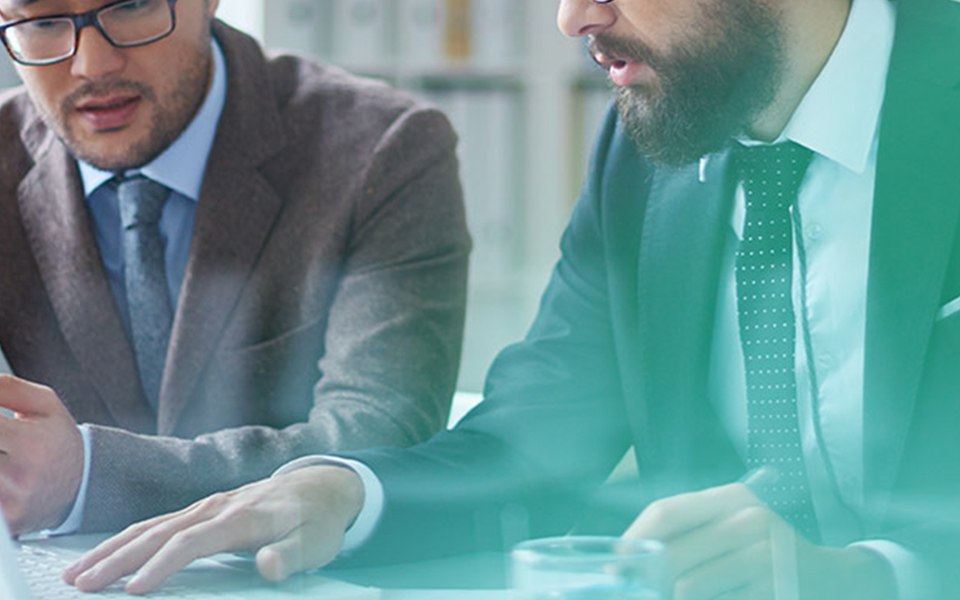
point(322, 306)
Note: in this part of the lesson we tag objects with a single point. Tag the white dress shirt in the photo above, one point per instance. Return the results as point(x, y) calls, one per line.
point(839, 119)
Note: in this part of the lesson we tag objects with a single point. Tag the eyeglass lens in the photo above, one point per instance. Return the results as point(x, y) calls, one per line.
point(131, 23)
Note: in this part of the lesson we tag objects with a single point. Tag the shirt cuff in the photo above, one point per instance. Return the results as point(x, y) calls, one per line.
point(915, 579)
point(366, 522)
point(74, 520)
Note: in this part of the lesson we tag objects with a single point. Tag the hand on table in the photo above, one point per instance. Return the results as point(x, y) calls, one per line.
point(725, 543)
point(41, 456)
point(293, 522)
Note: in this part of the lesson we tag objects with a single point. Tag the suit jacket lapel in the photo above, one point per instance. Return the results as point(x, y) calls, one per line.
point(235, 214)
point(680, 252)
point(69, 262)
point(916, 210)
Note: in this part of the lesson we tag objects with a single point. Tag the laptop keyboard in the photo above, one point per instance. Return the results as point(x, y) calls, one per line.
point(42, 570)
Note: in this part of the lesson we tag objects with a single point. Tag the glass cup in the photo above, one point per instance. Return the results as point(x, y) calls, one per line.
point(588, 568)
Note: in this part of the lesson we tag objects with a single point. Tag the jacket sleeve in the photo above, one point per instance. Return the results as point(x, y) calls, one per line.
point(550, 428)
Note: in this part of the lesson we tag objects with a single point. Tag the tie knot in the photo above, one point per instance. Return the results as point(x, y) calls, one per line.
point(141, 200)
point(771, 175)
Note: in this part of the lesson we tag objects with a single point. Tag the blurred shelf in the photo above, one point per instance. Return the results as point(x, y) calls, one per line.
point(524, 100)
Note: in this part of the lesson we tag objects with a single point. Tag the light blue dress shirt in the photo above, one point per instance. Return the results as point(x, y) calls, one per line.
point(181, 168)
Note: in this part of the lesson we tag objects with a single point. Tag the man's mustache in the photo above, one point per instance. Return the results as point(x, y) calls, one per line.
point(97, 88)
point(619, 48)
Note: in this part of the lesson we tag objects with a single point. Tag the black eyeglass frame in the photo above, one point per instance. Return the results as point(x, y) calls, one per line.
point(81, 20)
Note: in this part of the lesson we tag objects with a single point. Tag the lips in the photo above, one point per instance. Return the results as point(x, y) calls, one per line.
point(624, 71)
point(109, 113)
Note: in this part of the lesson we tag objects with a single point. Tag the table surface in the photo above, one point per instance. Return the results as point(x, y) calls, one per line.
point(478, 577)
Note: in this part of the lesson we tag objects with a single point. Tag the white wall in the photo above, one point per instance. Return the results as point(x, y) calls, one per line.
point(8, 76)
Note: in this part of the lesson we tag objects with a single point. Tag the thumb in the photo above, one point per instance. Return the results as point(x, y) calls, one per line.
point(297, 552)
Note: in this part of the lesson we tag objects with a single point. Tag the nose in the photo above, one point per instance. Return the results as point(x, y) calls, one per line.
point(96, 58)
point(577, 18)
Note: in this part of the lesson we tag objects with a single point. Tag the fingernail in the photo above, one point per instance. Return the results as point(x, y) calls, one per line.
point(82, 582)
point(136, 587)
point(70, 574)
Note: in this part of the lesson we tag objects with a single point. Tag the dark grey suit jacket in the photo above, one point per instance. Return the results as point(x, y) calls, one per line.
point(322, 307)
point(619, 354)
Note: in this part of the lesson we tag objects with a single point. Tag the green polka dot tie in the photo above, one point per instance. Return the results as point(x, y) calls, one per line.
point(771, 177)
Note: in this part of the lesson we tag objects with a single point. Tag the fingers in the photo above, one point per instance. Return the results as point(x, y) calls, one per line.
point(738, 574)
point(718, 542)
point(133, 548)
point(26, 398)
point(144, 536)
point(676, 515)
point(206, 538)
point(747, 527)
point(21, 398)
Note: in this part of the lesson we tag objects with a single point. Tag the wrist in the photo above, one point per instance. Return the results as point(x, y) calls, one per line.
point(341, 488)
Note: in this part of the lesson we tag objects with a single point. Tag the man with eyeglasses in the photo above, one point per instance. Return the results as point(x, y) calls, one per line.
point(213, 260)
point(759, 291)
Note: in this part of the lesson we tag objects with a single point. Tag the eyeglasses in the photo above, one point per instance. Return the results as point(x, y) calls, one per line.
point(125, 24)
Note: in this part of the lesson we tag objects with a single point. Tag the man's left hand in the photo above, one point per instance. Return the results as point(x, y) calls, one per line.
point(725, 543)
point(41, 456)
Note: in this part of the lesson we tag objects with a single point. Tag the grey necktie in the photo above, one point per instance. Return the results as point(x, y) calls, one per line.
point(148, 298)
point(771, 177)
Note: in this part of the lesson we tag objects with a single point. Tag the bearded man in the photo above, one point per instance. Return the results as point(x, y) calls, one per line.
point(759, 292)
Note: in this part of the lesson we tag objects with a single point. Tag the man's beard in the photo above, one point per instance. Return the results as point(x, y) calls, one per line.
point(711, 87)
point(170, 117)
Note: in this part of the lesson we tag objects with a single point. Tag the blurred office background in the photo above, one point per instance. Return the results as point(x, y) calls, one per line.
point(525, 101)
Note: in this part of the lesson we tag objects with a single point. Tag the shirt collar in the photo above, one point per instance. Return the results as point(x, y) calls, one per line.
point(181, 166)
point(839, 116)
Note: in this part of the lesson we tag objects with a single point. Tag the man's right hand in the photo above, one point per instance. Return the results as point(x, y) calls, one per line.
point(293, 522)
point(723, 542)
point(41, 456)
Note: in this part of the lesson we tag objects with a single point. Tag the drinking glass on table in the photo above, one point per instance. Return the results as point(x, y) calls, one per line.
point(588, 568)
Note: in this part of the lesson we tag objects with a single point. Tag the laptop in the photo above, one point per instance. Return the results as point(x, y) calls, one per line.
point(31, 571)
